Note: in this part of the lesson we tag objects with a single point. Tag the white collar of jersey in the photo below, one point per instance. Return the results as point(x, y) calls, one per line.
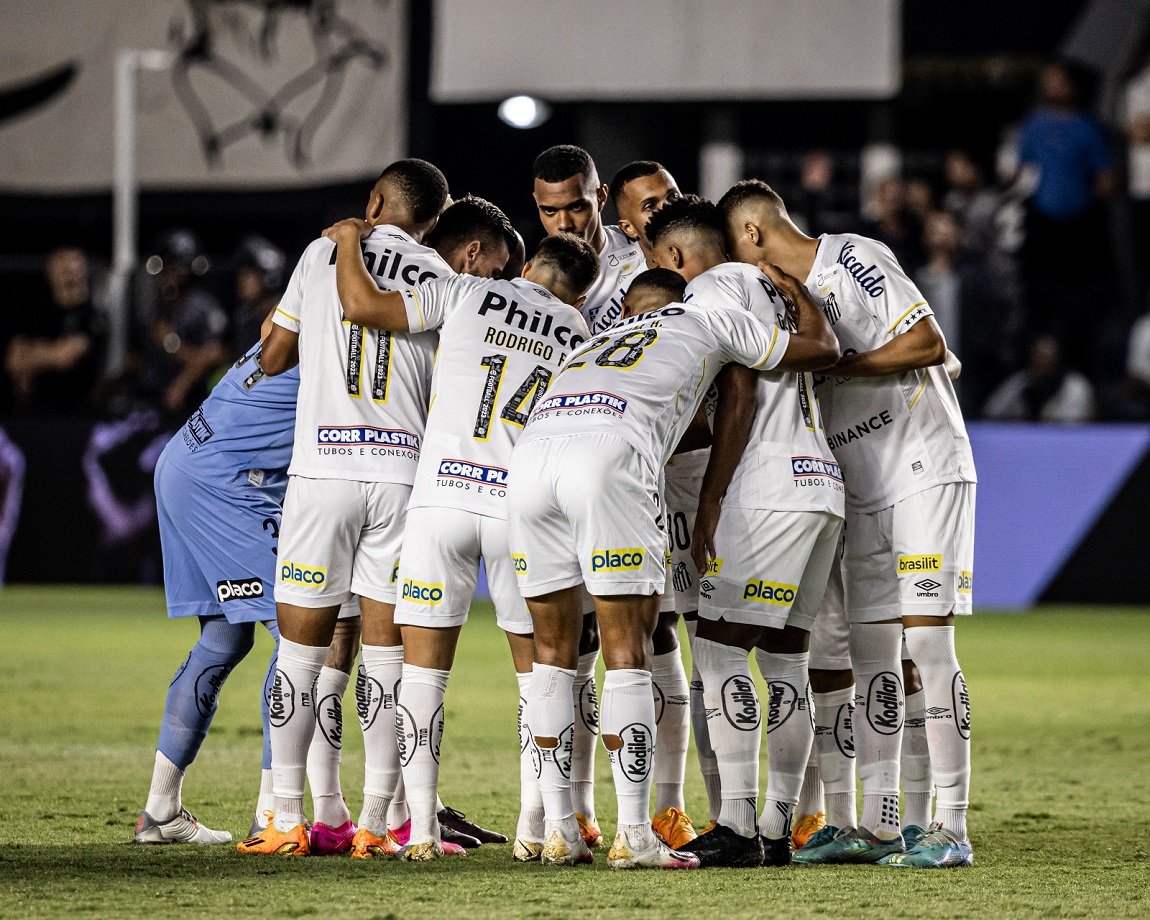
point(380, 230)
point(520, 281)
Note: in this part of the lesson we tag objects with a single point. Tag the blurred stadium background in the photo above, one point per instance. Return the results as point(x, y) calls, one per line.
point(165, 162)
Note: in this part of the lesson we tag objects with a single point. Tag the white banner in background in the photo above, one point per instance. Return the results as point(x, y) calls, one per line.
point(259, 92)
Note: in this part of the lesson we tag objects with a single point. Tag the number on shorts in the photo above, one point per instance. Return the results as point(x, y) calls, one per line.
point(522, 401)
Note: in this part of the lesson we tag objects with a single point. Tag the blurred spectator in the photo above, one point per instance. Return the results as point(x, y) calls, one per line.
point(969, 200)
point(55, 356)
point(894, 224)
point(1045, 391)
point(259, 283)
point(182, 326)
point(1065, 257)
point(1136, 122)
point(1131, 399)
point(939, 279)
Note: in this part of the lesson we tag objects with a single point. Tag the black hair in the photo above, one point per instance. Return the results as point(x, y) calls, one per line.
point(631, 171)
point(571, 257)
point(661, 279)
point(747, 190)
point(691, 212)
point(422, 187)
point(470, 218)
point(555, 164)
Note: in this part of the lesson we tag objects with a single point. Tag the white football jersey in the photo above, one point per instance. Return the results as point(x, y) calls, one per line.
point(620, 260)
point(500, 343)
point(787, 465)
point(894, 435)
point(643, 379)
point(363, 393)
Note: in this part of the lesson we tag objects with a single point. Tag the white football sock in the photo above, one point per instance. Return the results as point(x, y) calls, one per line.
point(586, 703)
point(735, 726)
point(419, 728)
point(551, 714)
point(876, 656)
point(673, 726)
point(834, 748)
point(164, 795)
point(397, 812)
point(708, 763)
point(628, 714)
point(915, 763)
point(382, 670)
point(323, 756)
point(947, 730)
point(291, 707)
point(266, 800)
point(790, 735)
point(530, 824)
point(811, 801)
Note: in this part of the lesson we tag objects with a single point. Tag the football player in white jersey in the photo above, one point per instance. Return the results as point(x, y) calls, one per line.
point(359, 424)
point(894, 424)
point(768, 557)
point(612, 416)
point(570, 199)
point(638, 190)
point(500, 344)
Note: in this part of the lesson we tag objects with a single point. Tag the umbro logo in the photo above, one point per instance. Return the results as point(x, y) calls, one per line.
point(928, 584)
point(935, 711)
point(706, 587)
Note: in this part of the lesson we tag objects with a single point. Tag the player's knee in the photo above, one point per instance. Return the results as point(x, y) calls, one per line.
point(589, 637)
point(665, 638)
point(225, 642)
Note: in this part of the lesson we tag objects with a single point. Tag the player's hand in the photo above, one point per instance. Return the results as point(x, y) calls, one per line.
point(703, 536)
point(352, 228)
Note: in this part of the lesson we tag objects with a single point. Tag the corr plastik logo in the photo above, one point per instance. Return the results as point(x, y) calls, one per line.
point(621, 559)
point(965, 582)
point(519, 561)
point(924, 562)
point(313, 576)
point(770, 592)
point(419, 592)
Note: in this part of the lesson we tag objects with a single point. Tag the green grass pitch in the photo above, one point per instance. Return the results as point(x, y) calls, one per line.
point(1060, 825)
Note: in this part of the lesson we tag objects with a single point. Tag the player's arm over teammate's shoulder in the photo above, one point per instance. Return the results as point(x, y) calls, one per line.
point(812, 344)
point(916, 341)
point(363, 302)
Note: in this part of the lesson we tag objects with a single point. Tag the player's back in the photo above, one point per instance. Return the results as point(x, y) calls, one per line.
point(501, 342)
point(246, 425)
point(643, 379)
point(363, 393)
point(787, 464)
point(896, 434)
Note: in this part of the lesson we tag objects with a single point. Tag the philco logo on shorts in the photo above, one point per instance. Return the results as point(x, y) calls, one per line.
point(313, 576)
point(519, 561)
point(965, 582)
point(237, 590)
point(770, 592)
point(622, 559)
point(714, 566)
point(924, 562)
point(419, 592)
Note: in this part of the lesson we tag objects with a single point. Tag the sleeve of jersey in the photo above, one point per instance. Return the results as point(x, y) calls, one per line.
point(427, 304)
point(752, 342)
point(900, 303)
point(289, 311)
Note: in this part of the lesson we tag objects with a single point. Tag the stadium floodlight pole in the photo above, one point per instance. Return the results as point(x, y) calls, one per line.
point(125, 193)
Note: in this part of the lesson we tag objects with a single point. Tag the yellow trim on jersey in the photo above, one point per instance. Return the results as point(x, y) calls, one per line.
point(921, 303)
point(418, 309)
point(771, 350)
point(918, 393)
point(294, 319)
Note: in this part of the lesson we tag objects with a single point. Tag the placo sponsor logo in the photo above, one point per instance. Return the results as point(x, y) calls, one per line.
point(965, 582)
point(623, 559)
point(770, 592)
point(362, 434)
point(419, 592)
point(230, 590)
point(803, 467)
point(924, 562)
point(598, 400)
point(519, 562)
point(313, 576)
point(474, 472)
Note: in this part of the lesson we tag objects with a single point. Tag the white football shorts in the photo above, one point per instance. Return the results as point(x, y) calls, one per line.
point(683, 477)
point(772, 567)
point(439, 568)
point(585, 508)
point(915, 558)
point(340, 537)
